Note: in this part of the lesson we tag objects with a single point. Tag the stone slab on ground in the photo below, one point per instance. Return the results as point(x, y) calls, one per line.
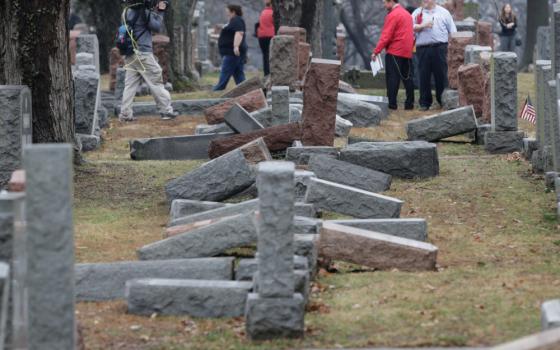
point(277, 138)
point(245, 87)
point(203, 129)
point(342, 127)
point(547, 340)
point(351, 201)
point(190, 147)
point(273, 318)
point(320, 102)
point(375, 250)
point(238, 119)
point(349, 174)
point(251, 101)
point(207, 241)
point(185, 207)
point(225, 211)
point(196, 298)
point(216, 180)
point(88, 143)
point(360, 113)
point(416, 229)
point(380, 101)
point(502, 142)
point(106, 281)
point(440, 126)
point(183, 107)
point(301, 155)
point(550, 314)
point(416, 159)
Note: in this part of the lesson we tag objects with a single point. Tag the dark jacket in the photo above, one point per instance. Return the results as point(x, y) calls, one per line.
point(147, 22)
point(504, 21)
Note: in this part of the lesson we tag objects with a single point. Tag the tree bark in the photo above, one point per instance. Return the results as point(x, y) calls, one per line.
point(34, 52)
point(537, 15)
point(354, 27)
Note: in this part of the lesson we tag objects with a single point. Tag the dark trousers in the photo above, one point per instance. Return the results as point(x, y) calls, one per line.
point(432, 61)
point(264, 43)
point(232, 66)
point(399, 69)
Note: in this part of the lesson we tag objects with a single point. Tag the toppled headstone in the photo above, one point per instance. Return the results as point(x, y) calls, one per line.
point(106, 281)
point(247, 86)
point(216, 180)
point(443, 125)
point(246, 268)
point(204, 129)
point(88, 142)
point(416, 159)
point(207, 241)
point(342, 127)
point(225, 211)
point(416, 229)
point(196, 298)
point(174, 147)
point(251, 101)
point(456, 54)
point(15, 128)
point(375, 250)
point(320, 102)
point(238, 119)
point(351, 201)
point(185, 207)
point(50, 246)
point(380, 101)
point(277, 138)
point(301, 155)
point(361, 114)
point(348, 174)
point(283, 60)
point(183, 107)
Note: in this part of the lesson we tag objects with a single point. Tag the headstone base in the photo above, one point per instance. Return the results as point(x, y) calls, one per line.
point(550, 314)
point(272, 318)
point(502, 142)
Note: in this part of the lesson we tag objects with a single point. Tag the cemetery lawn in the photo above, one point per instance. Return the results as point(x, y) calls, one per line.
point(493, 221)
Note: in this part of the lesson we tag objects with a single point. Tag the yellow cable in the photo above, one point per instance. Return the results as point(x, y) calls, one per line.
point(134, 45)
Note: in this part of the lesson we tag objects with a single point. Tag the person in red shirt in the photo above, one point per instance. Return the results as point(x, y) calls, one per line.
point(265, 33)
point(397, 39)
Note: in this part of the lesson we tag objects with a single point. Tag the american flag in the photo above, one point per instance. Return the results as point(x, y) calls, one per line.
point(528, 112)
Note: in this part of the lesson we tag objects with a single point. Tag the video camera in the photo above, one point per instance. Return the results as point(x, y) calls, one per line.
point(148, 4)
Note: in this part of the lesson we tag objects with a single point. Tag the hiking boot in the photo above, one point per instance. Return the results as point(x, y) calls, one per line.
point(126, 118)
point(169, 116)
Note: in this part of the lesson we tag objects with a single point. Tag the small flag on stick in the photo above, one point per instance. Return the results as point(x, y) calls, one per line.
point(528, 112)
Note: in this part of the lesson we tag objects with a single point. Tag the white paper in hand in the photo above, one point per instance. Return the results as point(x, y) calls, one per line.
point(376, 66)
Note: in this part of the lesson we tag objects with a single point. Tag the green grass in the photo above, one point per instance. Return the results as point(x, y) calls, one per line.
point(492, 220)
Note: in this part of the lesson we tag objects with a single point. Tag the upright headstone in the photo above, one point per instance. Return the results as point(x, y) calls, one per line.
point(504, 136)
point(554, 131)
point(202, 32)
point(15, 128)
point(543, 69)
point(328, 34)
point(554, 38)
point(50, 249)
point(89, 43)
point(12, 251)
point(484, 34)
point(283, 60)
point(281, 104)
point(119, 85)
point(86, 92)
point(320, 102)
point(275, 311)
point(543, 43)
point(303, 59)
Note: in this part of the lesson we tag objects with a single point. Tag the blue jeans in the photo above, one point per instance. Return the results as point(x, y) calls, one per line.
point(231, 66)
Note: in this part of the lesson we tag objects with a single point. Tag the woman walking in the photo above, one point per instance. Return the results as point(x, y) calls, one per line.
point(265, 33)
point(508, 21)
point(233, 48)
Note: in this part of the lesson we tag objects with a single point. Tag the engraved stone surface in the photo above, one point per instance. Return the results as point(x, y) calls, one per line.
point(504, 91)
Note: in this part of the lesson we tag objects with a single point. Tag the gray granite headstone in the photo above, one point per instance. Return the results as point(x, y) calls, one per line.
point(281, 104)
point(554, 131)
point(472, 53)
point(543, 70)
point(554, 38)
point(50, 249)
point(12, 250)
point(275, 182)
point(15, 128)
point(543, 43)
point(88, 43)
point(86, 93)
point(504, 91)
point(4, 296)
point(119, 85)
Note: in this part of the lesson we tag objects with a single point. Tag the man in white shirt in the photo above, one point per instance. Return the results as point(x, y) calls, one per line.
point(432, 25)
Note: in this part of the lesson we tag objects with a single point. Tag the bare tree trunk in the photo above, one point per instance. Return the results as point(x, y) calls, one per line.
point(312, 21)
point(355, 31)
point(34, 52)
point(287, 12)
point(537, 15)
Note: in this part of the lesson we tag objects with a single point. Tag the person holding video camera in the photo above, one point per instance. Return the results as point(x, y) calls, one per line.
point(142, 17)
point(233, 48)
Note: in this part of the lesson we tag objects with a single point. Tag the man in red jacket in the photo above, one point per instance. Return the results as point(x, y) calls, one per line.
point(265, 33)
point(397, 38)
